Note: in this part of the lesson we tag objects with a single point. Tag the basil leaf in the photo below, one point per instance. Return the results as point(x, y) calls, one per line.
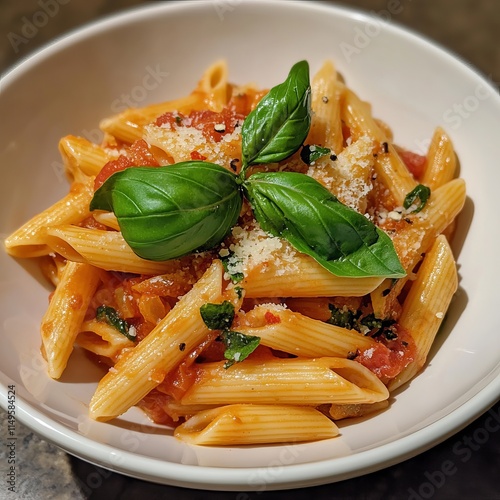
point(421, 193)
point(279, 124)
point(218, 316)
point(299, 209)
point(111, 317)
point(167, 212)
point(311, 153)
point(238, 346)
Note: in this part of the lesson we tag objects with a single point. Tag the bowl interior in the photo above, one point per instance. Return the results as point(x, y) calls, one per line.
point(158, 53)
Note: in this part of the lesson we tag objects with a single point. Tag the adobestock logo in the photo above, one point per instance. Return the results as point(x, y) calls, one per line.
point(31, 26)
point(150, 81)
point(463, 450)
point(371, 29)
point(460, 111)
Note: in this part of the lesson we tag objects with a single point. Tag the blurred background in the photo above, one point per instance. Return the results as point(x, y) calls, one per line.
point(470, 29)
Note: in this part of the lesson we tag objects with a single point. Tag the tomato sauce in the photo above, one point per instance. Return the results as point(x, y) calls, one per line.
point(213, 125)
point(414, 162)
point(138, 154)
point(389, 357)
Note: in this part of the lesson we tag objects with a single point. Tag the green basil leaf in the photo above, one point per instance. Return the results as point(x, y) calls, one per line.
point(299, 209)
point(167, 212)
point(218, 316)
point(238, 346)
point(111, 317)
point(311, 153)
point(421, 193)
point(279, 124)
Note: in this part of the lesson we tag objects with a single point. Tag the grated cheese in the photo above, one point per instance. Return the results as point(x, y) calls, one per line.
point(350, 176)
point(252, 247)
point(179, 142)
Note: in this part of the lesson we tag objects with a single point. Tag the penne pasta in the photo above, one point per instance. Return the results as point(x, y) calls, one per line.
point(287, 381)
point(240, 336)
point(302, 336)
point(256, 424)
point(81, 155)
point(102, 339)
point(327, 92)
point(65, 314)
point(441, 160)
point(159, 352)
point(426, 304)
point(103, 249)
point(30, 240)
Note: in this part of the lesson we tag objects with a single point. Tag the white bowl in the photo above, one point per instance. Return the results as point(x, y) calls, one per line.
point(413, 85)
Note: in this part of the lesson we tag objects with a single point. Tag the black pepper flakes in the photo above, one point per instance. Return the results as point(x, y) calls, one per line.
point(386, 147)
point(182, 346)
point(333, 157)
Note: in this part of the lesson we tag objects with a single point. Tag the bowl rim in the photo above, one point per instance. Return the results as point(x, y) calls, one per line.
point(215, 478)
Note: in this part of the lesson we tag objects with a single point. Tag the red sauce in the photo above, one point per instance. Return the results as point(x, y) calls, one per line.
point(389, 357)
point(154, 405)
point(138, 154)
point(197, 156)
point(213, 125)
point(414, 162)
point(271, 318)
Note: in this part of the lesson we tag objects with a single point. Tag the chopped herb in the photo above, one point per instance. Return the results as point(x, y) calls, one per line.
point(182, 346)
point(178, 120)
point(311, 153)
point(344, 317)
point(218, 316)
point(238, 346)
point(239, 291)
point(421, 193)
point(111, 317)
point(235, 277)
point(367, 325)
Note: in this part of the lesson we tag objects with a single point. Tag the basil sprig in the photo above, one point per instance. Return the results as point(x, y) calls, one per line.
point(301, 210)
point(167, 212)
point(278, 126)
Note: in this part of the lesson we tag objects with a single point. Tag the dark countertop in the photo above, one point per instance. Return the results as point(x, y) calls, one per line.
point(471, 29)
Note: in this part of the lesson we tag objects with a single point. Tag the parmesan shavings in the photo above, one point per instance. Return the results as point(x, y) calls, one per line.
point(179, 142)
point(252, 247)
point(349, 177)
